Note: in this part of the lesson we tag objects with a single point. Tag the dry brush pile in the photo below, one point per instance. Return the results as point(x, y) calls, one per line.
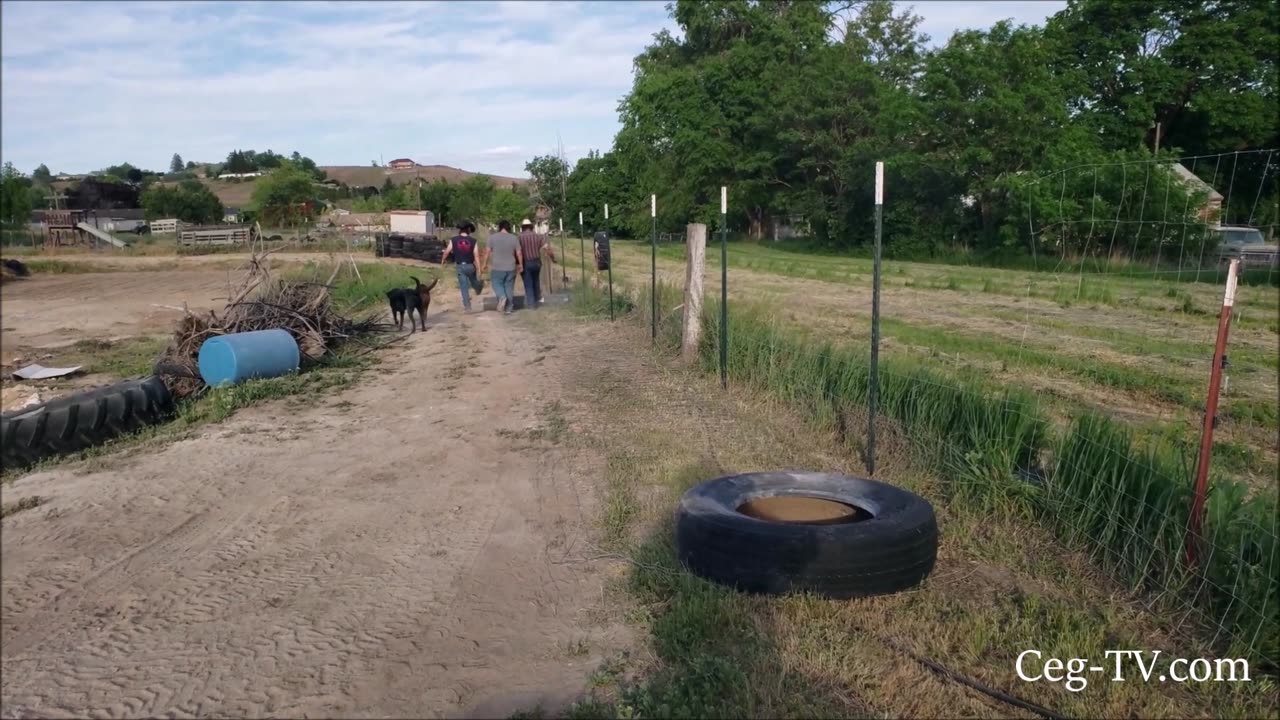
point(264, 301)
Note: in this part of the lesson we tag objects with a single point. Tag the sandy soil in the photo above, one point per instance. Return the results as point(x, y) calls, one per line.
point(402, 550)
point(50, 310)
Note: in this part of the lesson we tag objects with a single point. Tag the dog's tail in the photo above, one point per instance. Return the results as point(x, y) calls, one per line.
point(433, 284)
point(416, 282)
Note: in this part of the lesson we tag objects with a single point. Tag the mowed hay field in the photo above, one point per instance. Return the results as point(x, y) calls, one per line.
point(1133, 348)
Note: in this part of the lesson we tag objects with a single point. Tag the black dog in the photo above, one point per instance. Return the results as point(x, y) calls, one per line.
point(410, 300)
point(405, 301)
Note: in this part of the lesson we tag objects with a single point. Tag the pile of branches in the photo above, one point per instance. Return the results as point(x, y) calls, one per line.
point(264, 302)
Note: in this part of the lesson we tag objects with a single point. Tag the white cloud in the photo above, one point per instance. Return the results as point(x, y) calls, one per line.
point(503, 151)
point(941, 18)
point(474, 85)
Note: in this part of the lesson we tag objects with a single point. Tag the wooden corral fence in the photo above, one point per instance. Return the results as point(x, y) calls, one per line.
point(165, 226)
point(214, 234)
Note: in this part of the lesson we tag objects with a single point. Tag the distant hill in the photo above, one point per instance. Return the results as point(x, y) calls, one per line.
point(238, 193)
point(374, 176)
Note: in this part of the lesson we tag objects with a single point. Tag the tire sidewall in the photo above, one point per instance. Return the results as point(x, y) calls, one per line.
point(892, 550)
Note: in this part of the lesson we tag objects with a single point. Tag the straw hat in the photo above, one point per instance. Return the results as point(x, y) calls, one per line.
point(526, 223)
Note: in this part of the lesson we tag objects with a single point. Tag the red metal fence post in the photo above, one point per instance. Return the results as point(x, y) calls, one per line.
point(1196, 516)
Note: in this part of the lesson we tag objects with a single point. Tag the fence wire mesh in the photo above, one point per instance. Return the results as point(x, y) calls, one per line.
point(1071, 391)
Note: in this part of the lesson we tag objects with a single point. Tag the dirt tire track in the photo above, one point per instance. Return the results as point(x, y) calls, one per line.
point(370, 561)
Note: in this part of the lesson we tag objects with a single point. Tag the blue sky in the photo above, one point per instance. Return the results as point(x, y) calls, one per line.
point(479, 85)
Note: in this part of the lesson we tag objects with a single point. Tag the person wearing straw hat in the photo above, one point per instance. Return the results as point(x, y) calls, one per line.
point(532, 247)
point(463, 249)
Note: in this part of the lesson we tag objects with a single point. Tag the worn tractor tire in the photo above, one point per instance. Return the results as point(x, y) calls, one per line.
point(891, 550)
point(82, 420)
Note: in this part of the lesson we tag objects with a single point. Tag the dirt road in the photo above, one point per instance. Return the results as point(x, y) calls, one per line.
point(407, 548)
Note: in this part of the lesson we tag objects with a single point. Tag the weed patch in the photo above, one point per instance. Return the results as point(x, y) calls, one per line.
point(27, 503)
point(130, 357)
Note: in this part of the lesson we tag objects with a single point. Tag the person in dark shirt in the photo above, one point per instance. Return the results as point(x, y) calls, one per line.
point(463, 249)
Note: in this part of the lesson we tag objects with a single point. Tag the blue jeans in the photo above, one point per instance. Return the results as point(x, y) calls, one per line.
point(504, 286)
point(532, 288)
point(467, 278)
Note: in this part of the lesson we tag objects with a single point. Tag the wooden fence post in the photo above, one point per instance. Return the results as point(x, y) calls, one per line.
point(696, 261)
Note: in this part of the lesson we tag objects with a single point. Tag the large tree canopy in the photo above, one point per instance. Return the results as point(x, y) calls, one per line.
point(189, 201)
point(790, 103)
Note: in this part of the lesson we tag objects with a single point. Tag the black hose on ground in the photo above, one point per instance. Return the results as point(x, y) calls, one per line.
point(974, 684)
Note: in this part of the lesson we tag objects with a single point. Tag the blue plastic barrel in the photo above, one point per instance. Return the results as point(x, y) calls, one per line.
point(229, 359)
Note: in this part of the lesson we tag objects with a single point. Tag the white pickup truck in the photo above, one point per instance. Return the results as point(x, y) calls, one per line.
point(1247, 245)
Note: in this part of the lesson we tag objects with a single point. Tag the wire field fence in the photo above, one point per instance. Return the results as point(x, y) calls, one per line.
point(1072, 393)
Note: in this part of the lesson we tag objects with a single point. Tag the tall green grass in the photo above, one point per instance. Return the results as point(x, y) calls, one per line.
point(368, 291)
point(1168, 270)
point(1100, 489)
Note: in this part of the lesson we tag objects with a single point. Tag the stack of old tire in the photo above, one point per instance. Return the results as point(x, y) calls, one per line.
point(81, 420)
point(414, 247)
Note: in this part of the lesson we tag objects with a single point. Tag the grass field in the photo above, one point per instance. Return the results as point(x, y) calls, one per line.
point(1008, 576)
point(1134, 348)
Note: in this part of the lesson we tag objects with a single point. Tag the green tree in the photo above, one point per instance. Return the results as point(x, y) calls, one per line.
point(371, 204)
point(1206, 73)
point(398, 197)
point(437, 196)
point(550, 177)
point(175, 163)
point(286, 196)
point(239, 161)
point(507, 205)
point(189, 201)
point(699, 114)
point(41, 175)
point(473, 199)
point(15, 196)
point(592, 184)
point(994, 107)
point(791, 106)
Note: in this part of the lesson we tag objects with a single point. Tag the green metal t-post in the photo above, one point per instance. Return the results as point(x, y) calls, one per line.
point(610, 263)
point(653, 271)
point(874, 380)
point(724, 288)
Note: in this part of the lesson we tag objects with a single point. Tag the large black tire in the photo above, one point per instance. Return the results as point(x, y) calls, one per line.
point(75, 422)
point(892, 550)
point(601, 241)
